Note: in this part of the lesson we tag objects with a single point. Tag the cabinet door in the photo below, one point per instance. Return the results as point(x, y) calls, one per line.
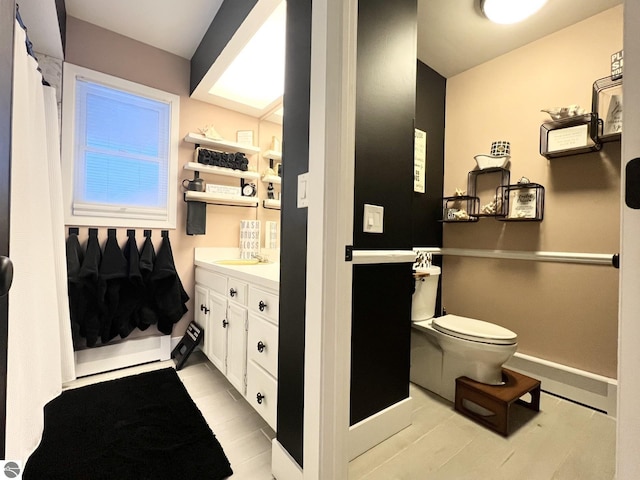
point(201, 305)
point(237, 346)
point(217, 331)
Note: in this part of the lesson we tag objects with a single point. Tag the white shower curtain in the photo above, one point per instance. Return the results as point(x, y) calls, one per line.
point(40, 349)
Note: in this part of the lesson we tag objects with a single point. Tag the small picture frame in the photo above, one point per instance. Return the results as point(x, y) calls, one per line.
point(245, 137)
point(607, 105)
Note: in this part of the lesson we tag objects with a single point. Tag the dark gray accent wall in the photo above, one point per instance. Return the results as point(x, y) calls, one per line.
point(430, 118)
point(229, 17)
point(7, 22)
point(61, 10)
point(385, 109)
point(293, 259)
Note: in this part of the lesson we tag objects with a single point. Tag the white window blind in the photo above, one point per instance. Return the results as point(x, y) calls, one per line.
point(122, 153)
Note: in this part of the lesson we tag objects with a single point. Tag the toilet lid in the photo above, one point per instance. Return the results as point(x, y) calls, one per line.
point(474, 330)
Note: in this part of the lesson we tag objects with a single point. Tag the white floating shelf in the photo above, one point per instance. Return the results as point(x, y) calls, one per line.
point(272, 179)
point(228, 172)
point(273, 204)
point(273, 154)
point(221, 199)
point(221, 145)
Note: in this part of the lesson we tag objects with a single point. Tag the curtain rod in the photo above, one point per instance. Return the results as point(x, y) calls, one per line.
point(608, 259)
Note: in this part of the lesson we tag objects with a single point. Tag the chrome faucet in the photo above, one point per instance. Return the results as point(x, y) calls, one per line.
point(260, 258)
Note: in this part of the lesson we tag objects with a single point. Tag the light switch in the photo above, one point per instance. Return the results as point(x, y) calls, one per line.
point(373, 219)
point(303, 181)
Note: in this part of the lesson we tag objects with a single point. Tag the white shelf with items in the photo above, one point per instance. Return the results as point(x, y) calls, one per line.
point(221, 145)
point(221, 199)
point(272, 179)
point(271, 204)
point(272, 154)
point(227, 172)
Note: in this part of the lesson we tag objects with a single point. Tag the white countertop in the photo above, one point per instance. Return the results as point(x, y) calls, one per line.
point(266, 275)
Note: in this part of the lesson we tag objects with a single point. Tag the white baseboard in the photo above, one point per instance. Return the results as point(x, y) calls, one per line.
point(283, 466)
point(124, 354)
point(378, 427)
point(580, 386)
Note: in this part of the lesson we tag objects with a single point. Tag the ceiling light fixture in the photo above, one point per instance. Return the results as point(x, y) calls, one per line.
point(510, 11)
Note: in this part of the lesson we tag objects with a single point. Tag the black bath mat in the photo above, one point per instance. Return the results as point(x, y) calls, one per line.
point(142, 427)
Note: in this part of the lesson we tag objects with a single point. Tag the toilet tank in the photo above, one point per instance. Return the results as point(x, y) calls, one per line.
point(423, 305)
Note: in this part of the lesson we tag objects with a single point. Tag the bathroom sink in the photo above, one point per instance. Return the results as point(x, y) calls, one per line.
point(252, 261)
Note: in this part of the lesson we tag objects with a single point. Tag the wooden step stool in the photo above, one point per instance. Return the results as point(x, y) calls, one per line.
point(497, 398)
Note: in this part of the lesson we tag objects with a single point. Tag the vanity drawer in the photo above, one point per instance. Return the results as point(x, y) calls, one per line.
point(211, 280)
point(262, 344)
point(264, 303)
point(237, 291)
point(262, 393)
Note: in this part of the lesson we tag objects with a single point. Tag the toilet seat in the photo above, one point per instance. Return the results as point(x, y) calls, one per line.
point(474, 330)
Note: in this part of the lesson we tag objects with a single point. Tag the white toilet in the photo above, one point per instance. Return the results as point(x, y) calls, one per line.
point(448, 347)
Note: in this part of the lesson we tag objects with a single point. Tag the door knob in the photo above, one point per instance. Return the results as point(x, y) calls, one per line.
point(233, 292)
point(261, 346)
point(204, 309)
point(262, 306)
point(260, 398)
point(6, 275)
point(224, 323)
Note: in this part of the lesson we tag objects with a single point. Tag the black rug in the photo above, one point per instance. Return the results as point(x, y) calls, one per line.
point(140, 427)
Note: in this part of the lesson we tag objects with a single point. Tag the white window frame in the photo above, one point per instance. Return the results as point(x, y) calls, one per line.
point(103, 219)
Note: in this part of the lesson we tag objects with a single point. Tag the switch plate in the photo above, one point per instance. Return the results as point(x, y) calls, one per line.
point(303, 186)
point(373, 219)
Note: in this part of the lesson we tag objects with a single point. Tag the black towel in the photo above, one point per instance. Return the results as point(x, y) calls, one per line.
point(113, 274)
point(89, 303)
point(146, 314)
point(75, 256)
point(196, 218)
point(168, 294)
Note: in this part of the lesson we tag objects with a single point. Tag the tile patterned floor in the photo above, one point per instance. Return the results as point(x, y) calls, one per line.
point(563, 442)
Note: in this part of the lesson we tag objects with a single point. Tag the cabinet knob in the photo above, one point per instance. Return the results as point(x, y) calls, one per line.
point(262, 306)
point(233, 292)
point(204, 309)
point(260, 398)
point(261, 346)
point(224, 323)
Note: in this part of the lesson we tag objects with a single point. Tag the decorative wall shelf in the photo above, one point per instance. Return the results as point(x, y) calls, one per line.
point(501, 177)
point(220, 145)
point(220, 199)
point(571, 136)
point(524, 202)
point(451, 206)
point(272, 179)
point(606, 103)
point(273, 155)
point(271, 204)
point(227, 172)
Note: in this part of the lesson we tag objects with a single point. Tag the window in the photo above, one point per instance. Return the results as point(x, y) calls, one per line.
point(119, 151)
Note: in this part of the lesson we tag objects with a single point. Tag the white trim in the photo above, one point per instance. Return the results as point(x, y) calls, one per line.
point(71, 73)
point(538, 256)
point(571, 383)
point(628, 426)
point(123, 354)
point(377, 428)
point(329, 230)
point(374, 257)
point(283, 466)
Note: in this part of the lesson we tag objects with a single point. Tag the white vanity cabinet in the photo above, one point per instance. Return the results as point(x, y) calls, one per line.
point(238, 310)
point(223, 314)
point(262, 353)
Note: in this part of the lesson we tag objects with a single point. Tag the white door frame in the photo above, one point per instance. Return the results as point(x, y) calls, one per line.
point(628, 424)
point(330, 229)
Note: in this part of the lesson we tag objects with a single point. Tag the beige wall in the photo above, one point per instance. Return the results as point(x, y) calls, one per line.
point(562, 313)
point(102, 50)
